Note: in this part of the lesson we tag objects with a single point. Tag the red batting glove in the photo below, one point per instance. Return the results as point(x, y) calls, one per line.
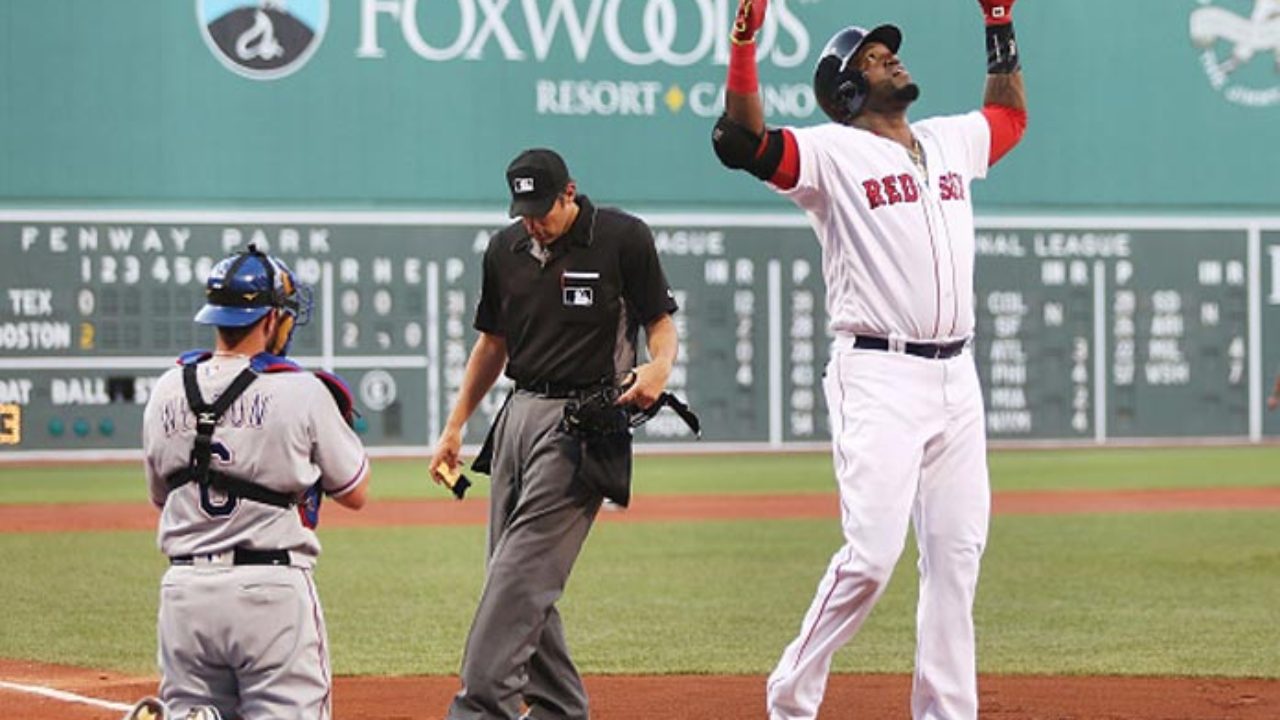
point(997, 12)
point(748, 21)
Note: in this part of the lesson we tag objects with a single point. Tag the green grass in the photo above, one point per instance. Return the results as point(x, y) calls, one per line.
point(85, 599)
point(801, 472)
point(1136, 468)
point(1163, 593)
point(1159, 593)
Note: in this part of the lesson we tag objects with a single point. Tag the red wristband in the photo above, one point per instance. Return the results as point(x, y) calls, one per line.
point(997, 13)
point(743, 78)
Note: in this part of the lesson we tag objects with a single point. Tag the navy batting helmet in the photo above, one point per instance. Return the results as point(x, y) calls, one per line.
point(840, 87)
point(243, 288)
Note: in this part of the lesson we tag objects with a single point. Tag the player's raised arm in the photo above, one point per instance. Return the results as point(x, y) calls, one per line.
point(742, 87)
point(1005, 103)
point(740, 138)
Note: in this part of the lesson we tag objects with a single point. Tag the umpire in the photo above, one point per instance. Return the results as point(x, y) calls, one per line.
point(563, 296)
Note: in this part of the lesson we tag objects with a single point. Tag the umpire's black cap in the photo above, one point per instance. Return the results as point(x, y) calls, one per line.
point(536, 178)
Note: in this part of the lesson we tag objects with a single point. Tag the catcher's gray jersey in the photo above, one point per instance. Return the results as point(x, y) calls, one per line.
point(284, 433)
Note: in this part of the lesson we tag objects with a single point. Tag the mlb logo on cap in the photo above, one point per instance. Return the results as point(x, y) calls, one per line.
point(522, 185)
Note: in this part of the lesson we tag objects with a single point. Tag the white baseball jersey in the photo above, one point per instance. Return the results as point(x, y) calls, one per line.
point(897, 247)
point(283, 433)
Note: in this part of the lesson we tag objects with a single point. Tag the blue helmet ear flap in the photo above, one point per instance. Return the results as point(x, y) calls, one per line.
point(851, 90)
point(840, 89)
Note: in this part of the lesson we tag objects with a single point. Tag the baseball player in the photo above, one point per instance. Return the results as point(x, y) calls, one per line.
point(889, 202)
point(240, 447)
point(563, 296)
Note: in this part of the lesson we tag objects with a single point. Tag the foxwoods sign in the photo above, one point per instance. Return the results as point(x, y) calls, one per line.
point(480, 29)
point(578, 41)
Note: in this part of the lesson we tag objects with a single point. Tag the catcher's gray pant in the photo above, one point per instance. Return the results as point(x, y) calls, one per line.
point(247, 639)
point(541, 509)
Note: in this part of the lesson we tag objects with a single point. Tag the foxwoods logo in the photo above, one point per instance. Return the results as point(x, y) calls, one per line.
point(635, 33)
point(1231, 40)
point(263, 39)
point(678, 33)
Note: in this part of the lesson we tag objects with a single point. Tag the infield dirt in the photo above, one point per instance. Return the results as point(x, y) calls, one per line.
point(685, 697)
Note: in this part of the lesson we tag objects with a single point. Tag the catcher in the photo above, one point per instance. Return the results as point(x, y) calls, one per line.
point(563, 296)
point(240, 448)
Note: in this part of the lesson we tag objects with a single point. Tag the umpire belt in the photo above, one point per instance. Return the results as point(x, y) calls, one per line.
point(555, 391)
point(931, 351)
point(237, 556)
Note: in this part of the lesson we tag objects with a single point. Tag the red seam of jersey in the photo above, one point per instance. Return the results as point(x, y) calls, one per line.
point(351, 484)
point(1007, 126)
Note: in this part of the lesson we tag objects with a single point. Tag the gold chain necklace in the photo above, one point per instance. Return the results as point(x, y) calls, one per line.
point(916, 151)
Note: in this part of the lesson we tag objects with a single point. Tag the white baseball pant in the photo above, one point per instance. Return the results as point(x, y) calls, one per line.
point(908, 441)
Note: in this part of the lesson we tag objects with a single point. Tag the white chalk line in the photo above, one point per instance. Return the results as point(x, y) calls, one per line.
point(63, 696)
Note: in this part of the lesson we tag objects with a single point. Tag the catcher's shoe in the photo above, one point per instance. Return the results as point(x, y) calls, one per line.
point(148, 708)
point(203, 712)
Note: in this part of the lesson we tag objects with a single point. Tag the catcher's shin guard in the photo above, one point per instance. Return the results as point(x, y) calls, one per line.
point(148, 708)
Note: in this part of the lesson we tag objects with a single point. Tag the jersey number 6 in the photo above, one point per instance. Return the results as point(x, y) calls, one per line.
point(214, 502)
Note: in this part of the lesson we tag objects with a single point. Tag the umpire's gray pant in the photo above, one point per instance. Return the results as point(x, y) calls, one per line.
point(541, 510)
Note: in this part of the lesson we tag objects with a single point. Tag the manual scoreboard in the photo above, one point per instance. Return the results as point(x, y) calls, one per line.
point(1086, 332)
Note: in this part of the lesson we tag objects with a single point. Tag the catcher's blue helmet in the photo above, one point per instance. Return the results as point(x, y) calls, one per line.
point(841, 88)
point(241, 289)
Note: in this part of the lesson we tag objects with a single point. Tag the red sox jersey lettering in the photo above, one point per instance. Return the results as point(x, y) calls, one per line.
point(894, 189)
point(952, 186)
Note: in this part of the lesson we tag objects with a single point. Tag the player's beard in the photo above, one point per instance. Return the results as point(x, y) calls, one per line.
point(885, 98)
point(907, 94)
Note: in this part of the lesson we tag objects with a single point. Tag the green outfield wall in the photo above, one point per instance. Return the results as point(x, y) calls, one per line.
point(1158, 104)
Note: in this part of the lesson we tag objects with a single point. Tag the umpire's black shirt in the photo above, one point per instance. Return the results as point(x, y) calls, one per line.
point(572, 320)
